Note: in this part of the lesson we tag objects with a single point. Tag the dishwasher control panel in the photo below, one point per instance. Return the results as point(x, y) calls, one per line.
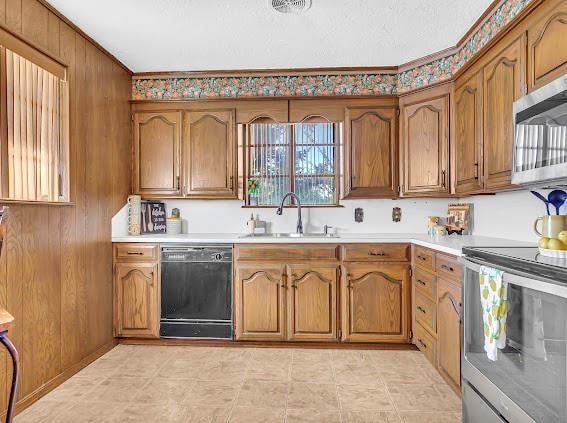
point(196, 253)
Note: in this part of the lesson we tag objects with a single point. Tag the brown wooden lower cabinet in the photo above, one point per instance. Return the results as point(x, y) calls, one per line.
point(449, 330)
point(437, 312)
point(259, 302)
point(312, 302)
point(375, 302)
point(136, 299)
point(323, 299)
point(136, 290)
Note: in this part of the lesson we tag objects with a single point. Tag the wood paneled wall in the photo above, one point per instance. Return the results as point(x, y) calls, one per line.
point(56, 266)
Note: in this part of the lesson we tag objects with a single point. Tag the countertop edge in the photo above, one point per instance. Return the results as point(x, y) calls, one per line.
point(448, 245)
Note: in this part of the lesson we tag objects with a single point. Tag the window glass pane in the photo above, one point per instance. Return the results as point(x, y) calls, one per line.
point(314, 156)
point(316, 190)
point(304, 162)
point(269, 162)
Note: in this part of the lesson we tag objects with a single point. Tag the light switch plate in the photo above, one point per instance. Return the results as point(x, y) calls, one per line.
point(396, 214)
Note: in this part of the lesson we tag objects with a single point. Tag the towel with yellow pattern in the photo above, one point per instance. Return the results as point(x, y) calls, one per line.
point(494, 308)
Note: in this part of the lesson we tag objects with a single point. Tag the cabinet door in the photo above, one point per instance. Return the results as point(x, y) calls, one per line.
point(157, 153)
point(449, 331)
point(425, 143)
point(259, 302)
point(313, 302)
point(504, 79)
point(547, 55)
point(136, 300)
point(210, 164)
point(371, 153)
point(375, 303)
point(468, 136)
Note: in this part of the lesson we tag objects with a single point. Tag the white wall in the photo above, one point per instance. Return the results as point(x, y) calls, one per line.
point(508, 214)
point(504, 215)
point(218, 216)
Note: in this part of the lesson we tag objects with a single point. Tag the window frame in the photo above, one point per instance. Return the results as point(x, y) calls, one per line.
point(247, 158)
point(45, 61)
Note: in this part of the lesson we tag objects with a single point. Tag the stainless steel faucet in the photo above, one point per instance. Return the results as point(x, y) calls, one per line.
point(299, 228)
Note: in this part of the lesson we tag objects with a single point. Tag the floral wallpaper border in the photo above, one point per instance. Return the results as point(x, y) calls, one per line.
point(438, 70)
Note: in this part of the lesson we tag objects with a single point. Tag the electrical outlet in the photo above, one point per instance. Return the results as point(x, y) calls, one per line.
point(358, 215)
point(396, 214)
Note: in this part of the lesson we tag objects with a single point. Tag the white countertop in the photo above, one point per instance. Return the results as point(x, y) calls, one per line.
point(448, 244)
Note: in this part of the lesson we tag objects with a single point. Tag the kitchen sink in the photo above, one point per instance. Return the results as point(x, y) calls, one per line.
point(290, 235)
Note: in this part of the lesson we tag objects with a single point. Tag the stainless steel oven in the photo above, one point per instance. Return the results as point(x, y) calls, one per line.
point(540, 136)
point(528, 380)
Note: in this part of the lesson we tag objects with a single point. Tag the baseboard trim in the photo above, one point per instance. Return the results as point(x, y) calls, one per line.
point(267, 344)
point(29, 399)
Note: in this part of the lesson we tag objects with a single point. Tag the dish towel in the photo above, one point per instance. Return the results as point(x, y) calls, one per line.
point(494, 308)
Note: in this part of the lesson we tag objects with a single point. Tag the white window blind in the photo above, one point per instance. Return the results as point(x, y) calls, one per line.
point(297, 157)
point(37, 142)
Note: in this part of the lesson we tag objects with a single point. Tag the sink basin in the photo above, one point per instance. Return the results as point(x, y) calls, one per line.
point(290, 235)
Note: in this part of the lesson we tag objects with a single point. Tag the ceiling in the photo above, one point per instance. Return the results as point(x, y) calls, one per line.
point(188, 35)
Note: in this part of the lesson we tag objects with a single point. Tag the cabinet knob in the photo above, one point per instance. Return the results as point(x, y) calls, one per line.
point(447, 268)
point(419, 281)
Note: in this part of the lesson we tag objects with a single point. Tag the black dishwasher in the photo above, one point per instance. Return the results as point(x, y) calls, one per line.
point(196, 291)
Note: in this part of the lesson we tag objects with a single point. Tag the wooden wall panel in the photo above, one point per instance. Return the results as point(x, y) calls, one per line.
point(35, 18)
point(14, 15)
point(56, 265)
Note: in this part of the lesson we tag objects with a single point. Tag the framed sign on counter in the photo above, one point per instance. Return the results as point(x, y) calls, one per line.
point(153, 217)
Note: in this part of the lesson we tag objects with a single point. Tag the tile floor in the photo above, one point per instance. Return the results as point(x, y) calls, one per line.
point(169, 384)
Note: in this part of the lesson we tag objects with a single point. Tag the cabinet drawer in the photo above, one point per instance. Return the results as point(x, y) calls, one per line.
point(286, 252)
point(425, 312)
point(376, 252)
point(136, 252)
point(425, 342)
point(425, 258)
point(448, 267)
point(425, 283)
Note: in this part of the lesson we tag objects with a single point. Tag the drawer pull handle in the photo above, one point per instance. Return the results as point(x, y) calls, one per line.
point(421, 309)
point(419, 281)
point(377, 253)
point(447, 268)
point(135, 253)
point(422, 258)
point(421, 343)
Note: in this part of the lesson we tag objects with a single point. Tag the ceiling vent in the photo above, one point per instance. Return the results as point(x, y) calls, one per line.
point(290, 6)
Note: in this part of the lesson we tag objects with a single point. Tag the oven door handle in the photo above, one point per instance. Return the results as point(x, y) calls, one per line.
point(520, 278)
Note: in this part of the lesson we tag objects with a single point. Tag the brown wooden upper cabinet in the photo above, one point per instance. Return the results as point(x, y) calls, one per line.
point(467, 139)
point(371, 155)
point(547, 55)
point(185, 154)
point(210, 165)
point(425, 142)
point(157, 153)
point(503, 83)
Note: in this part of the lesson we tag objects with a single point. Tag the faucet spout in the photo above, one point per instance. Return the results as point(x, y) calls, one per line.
point(279, 211)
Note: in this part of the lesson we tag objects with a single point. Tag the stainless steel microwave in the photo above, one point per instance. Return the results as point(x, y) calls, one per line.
point(540, 136)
